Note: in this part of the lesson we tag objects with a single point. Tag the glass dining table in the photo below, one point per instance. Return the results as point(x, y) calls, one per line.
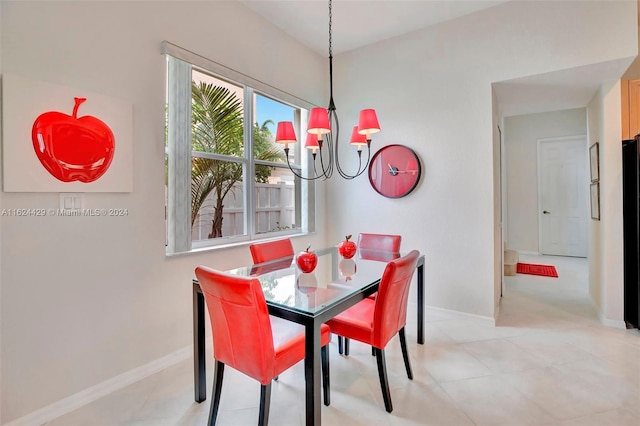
point(309, 299)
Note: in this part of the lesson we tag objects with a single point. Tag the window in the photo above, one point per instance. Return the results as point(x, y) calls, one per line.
point(227, 181)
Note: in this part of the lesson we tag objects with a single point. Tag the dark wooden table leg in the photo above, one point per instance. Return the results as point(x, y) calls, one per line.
point(199, 369)
point(421, 303)
point(312, 374)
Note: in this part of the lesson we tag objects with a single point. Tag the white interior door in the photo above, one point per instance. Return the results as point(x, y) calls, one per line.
point(562, 194)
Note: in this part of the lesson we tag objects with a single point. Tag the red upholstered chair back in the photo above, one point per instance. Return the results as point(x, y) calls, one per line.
point(242, 335)
point(379, 255)
point(270, 250)
point(386, 242)
point(390, 312)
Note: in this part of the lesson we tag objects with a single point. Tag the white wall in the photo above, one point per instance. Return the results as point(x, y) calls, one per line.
point(86, 299)
point(521, 145)
point(432, 91)
point(498, 236)
point(611, 204)
point(1, 364)
point(605, 236)
point(595, 116)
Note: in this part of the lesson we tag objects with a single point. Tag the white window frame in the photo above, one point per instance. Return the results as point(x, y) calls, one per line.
point(180, 64)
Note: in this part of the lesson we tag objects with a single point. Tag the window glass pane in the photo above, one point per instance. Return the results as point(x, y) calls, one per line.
point(217, 116)
point(217, 202)
point(276, 200)
point(209, 191)
point(268, 113)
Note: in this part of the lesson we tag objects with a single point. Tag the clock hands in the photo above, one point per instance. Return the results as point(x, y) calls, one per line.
point(394, 171)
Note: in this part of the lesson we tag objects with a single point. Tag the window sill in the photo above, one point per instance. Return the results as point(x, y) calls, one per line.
point(244, 243)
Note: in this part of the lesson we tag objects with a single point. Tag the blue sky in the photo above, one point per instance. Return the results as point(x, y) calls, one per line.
point(268, 109)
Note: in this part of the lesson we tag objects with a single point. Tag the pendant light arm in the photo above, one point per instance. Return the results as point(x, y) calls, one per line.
point(299, 175)
point(332, 105)
point(328, 171)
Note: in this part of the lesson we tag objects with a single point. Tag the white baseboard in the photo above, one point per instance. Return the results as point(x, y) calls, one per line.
point(529, 253)
point(613, 323)
point(606, 321)
point(75, 401)
point(464, 315)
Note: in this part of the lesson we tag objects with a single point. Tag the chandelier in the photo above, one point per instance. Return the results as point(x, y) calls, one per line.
point(323, 131)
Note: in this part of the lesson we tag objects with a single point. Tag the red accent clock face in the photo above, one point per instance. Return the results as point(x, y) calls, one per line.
point(395, 171)
point(73, 148)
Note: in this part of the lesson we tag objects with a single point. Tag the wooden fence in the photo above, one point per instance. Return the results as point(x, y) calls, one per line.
point(275, 210)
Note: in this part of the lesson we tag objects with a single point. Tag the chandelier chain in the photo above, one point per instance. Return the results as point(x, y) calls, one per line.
point(330, 31)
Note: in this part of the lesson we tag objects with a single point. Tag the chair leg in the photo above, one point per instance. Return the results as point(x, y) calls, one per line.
point(265, 402)
point(340, 350)
point(325, 375)
point(405, 353)
point(384, 382)
point(346, 346)
point(218, 375)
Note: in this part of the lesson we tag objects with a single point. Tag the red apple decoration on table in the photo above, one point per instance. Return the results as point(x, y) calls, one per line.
point(73, 148)
point(347, 248)
point(307, 260)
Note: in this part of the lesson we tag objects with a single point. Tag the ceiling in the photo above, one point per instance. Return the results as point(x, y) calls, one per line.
point(564, 89)
point(357, 23)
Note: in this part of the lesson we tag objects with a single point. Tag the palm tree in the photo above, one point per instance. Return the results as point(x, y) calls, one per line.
point(217, 127)
point(265, 149)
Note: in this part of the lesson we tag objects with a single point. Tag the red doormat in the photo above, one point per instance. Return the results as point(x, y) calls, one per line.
point(531, 269)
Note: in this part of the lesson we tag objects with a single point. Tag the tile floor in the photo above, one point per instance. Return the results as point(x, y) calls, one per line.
point(547, 362)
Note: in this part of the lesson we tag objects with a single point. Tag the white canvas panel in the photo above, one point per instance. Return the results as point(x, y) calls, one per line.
point(24, 100)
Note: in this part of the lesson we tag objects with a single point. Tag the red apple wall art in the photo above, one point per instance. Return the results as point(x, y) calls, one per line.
point(73, 148)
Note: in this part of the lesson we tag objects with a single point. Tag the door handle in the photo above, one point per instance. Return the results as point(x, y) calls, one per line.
point(545, 212)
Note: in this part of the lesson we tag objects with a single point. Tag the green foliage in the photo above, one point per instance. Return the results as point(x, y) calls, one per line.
point(282, 227)
point(217, 117)
point(265, 149)
point(217, 127)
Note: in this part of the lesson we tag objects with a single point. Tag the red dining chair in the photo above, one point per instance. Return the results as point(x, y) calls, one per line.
point(248, 339)
point(383, 242)
point(270, 250)
point(380, 247)
point(376, 321)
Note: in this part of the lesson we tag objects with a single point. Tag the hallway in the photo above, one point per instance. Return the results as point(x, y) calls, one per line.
point(541, 302)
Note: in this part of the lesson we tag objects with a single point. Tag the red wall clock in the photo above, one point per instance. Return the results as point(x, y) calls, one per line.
point(73, 148)
point(395, 171)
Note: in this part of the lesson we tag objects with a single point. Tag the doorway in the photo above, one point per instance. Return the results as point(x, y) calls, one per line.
point(562, 196)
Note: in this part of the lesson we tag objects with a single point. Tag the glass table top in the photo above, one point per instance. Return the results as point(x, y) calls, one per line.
point(334, 279)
